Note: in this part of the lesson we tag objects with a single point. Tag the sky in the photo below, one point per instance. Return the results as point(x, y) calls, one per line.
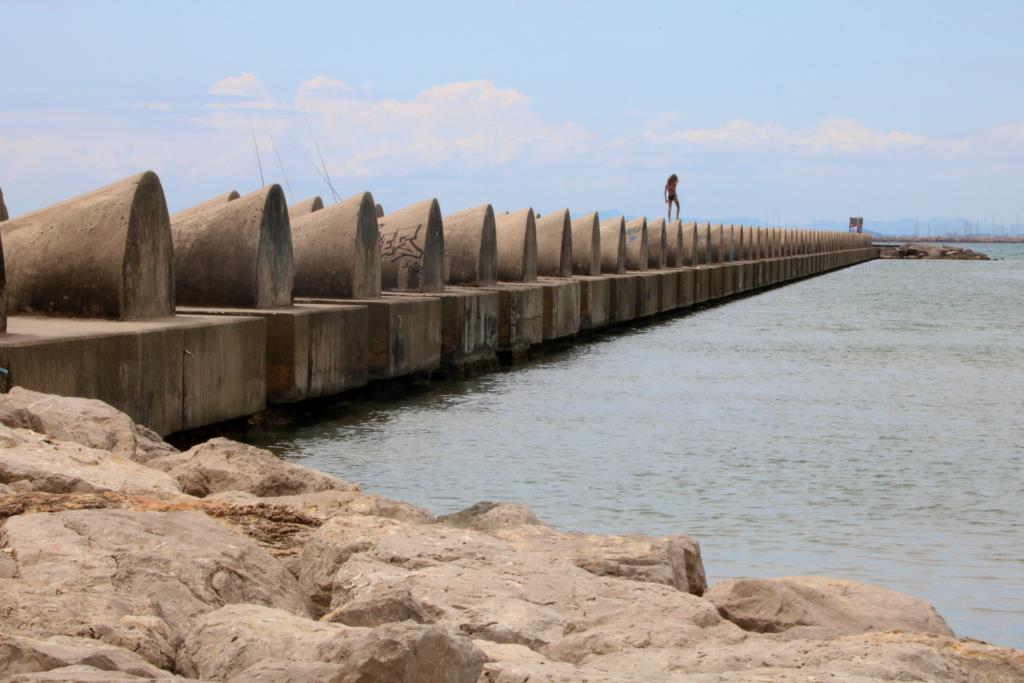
point(785, 112)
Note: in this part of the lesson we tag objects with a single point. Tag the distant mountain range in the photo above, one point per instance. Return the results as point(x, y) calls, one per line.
point(900, 226)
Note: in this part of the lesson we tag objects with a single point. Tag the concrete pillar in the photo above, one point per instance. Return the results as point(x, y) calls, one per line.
point(657, 244)
point(412, 249)
point(637, 246)
point(516, 244)
point(3, 208)
point(104, 254)
point(380, 211)
point(470, 247)
point(674, 251)
point(236, 254)
point(337, 250)
point(554, 244)
point(688, 246)
point(586, 245)
point(202, 207)
point(613, 245)
point(307, 206)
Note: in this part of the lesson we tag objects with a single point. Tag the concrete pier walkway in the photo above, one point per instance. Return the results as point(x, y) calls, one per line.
point(188, 320)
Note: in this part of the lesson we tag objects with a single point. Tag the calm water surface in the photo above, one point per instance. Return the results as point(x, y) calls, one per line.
point(865, 423)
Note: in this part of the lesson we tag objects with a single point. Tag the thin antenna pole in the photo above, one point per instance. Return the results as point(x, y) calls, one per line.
point(259, 163)
point(279, 163)
point(326, 175)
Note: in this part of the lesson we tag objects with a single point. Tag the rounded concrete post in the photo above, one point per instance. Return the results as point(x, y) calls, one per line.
point(554, 244)
point(305, 207)
point(637, 248)
point(675, 254)
point(104, 254)
point(586, 245)
point(214, 203)
point(337, 250)
point(716, 243)
point(703, 245)
point(516, 235)
point(236, 254)
point(380, 211)
point(613, 245)
point(657, 243)
point(470, 247)
point(3, 208)
point(733, 235)
point(412, 248)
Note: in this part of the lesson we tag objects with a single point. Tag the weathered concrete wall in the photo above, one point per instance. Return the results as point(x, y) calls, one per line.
point(613, 246)
point(337, 250)
point(470, 247)
point(469, 326)
point(586, 245)
point(521, 316)
point(306, 207)
point(236, 254)
point(657, 244)
point(313, 350)
point(169, 375)
point(561, 307)
point(412, 248)
point(595, 301)
point(104, 254)
point(554, 244)
point(516, 235)
point(213, 203)
point(637, 245)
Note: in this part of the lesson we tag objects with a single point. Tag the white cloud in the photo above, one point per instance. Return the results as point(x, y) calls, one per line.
point(246, 85)
point(323, 83)
point(836, 134)
point(152, 106)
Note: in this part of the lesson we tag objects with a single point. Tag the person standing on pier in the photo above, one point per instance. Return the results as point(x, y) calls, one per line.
point(670, 195)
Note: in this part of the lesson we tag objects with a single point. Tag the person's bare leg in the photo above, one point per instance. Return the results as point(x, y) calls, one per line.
point(669, 205)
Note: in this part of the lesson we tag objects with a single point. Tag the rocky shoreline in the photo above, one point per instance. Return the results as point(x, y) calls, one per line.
point(931, 251)
point(123, 559)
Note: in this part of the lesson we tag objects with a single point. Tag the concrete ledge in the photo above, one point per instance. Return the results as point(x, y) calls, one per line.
point(561, 307)
point(687, 287)
point(670, 289)
point(520, 316)
point(469, 326)
point(312, 350)
point(702, 276)
point(622, 298)
point(595, 301)
point(169, 374)
point(403, 334)
point(716, 282)
point(648, 294)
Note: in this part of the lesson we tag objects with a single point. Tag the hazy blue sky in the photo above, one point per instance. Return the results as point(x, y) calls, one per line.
point(791, 110)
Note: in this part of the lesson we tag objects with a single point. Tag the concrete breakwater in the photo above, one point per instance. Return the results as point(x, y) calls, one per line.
point(241, 301)
point(123, 559)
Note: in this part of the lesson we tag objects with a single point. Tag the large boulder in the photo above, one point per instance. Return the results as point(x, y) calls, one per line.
point(87, 421)
point(21, 655)
point(44, 464)
point(672, 560)
point(248, 642)
point(821, 607)
point(224, 465)
point(117, 567)
point(529, 591)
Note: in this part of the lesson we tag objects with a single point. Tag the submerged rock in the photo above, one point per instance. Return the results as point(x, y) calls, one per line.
point(931, 251)
point(820, 607)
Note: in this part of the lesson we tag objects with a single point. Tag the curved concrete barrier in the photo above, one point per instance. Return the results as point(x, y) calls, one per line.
point(307, 206)
point(674, 250)
point(613, 245)
point(104, 254)
point(586, 245)
point(554, 244)
point(238, 254)
point(470, 247)
point(516, 235)
point(657, 244)
point(214, 203)
point(337, 250)
point(412, 248)
point(637, 245)
point(3, 208)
